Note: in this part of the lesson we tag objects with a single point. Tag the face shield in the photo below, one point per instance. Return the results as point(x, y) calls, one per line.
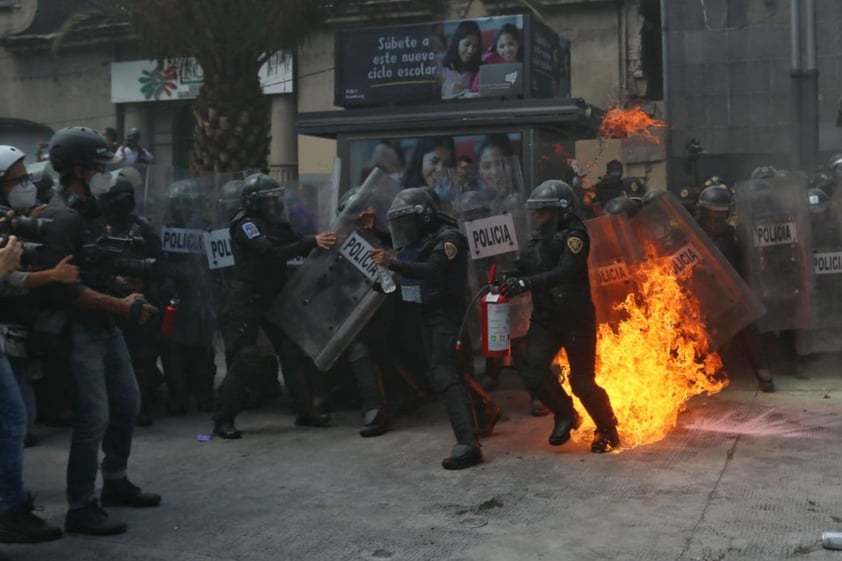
point(273, 205)
point(403, 225)
point(543, 221)
point(714, 221)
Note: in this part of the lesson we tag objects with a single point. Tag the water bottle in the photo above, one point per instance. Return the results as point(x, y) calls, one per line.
point(387, 283)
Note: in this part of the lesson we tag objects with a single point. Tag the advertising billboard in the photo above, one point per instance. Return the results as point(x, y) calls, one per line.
point(493, 57)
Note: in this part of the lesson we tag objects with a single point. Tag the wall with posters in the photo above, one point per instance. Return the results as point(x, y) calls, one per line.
point(492, 57)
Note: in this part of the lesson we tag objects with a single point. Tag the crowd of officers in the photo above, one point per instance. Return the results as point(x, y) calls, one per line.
point(85, 285)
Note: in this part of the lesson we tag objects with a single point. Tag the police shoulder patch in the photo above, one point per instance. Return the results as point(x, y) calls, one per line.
point(575, 244)
point(251, 230)
point(450, 250)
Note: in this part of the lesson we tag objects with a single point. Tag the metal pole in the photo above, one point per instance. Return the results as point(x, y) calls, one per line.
point(796, 75)
point(810, 122)
point(665, 63)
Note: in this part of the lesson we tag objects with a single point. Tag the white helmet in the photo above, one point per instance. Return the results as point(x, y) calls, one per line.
point(9, 155)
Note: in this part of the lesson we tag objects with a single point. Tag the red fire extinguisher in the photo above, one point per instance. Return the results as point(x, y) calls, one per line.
point(494, 317)
point(168, 321)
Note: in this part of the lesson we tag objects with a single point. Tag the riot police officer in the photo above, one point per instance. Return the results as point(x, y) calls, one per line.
point(262, 241)
point(623, 206)
point(554, 266)
point(433, 263)
point(105, 389)
point(119, 220)
point(713, 212)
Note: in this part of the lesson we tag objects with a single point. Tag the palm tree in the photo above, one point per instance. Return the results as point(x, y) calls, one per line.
point(231, 39)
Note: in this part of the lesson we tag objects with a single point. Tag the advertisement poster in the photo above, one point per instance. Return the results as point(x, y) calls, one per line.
point(457, 59)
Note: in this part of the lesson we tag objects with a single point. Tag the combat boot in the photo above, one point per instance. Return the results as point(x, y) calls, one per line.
point(122, 492)
point(313, 420)
point(563, 426)
point(226, 430)
point(764, 379)
point(375, 423)
point(463, 456)
point(19, 525)
point(605, 440)
point(92, 520)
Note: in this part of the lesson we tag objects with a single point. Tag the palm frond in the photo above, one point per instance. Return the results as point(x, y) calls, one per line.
point(92, 12)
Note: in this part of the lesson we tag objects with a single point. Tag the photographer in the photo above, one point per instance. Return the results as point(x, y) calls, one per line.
point(17, 521)
point(131, 152)
point(106, 392)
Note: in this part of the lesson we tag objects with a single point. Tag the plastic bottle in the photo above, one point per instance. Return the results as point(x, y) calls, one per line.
point(387, 283)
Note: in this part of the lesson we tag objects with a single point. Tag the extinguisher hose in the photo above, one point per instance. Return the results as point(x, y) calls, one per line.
point(483, 290)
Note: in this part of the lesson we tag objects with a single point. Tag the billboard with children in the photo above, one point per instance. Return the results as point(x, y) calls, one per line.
point(495, 57)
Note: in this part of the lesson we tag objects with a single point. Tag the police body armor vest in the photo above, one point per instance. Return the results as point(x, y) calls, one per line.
point(428, 291)
point(264, 275)
point(542, 255)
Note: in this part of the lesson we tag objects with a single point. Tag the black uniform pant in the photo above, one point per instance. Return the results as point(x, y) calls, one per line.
point(439, 326)
point(307, 386)
point(543, 342)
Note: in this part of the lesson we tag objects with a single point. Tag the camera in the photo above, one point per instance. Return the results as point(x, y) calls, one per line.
point(23, 226)
point(120, 255)
point(31, 254)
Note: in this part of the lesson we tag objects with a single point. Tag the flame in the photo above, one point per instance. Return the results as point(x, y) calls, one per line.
point(654, 361)
point(625, 123)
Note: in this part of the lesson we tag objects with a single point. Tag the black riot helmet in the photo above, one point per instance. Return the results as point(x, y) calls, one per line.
point(689, 196)
point(346, 199)
point(411, 216)
point(78, 146)
point(263, 196)
point(714, 208)
point(185, 200)
point(623, 206)
point(634, 187)
point(764, 172)
point(652, 195)
point(230, 199)
point(119, 201)
point(551, 203)
point(473, 205)
point(818, 200)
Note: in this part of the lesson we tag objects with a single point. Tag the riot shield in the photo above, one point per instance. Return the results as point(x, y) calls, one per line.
point(774, 230)
point(493, 218)
point(664, 229)
point(328, 301)
point(612, 262)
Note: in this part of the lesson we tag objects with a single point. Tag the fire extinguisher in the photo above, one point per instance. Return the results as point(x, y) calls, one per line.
point(168, 320)
point(494, 316)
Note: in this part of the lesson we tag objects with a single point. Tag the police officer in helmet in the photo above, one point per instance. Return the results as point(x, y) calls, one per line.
point(262, 241)
point(433, 263)
point(713, 213)
point(554, 266)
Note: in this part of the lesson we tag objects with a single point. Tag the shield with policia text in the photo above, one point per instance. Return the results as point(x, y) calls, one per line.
point(774, 230)
point(614, 256)
point(664, 229)
point(493, 218)
point(327, 302)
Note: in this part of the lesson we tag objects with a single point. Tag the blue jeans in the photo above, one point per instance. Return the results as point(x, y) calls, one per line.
point(20, 366)
point(107, 401)
point(12, 431)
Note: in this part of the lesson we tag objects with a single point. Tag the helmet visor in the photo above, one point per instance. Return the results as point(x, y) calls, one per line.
point(404, 229)
point(273, 206)
point(543, 221)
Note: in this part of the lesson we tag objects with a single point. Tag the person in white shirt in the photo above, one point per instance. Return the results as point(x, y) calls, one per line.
point(131, 152)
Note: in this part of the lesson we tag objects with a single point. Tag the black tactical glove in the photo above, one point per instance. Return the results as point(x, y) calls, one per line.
point(514, 286)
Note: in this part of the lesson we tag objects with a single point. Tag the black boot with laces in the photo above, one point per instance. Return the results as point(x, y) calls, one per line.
point(19, 525)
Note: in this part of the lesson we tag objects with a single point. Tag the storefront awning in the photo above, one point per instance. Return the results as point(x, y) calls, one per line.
point(570, 117)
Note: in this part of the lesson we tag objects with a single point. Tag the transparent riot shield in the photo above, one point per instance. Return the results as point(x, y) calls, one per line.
point(826, 237)
point(774, 231)
point(183, 208)
point(492, 215)
point(664, 229)
point(328, 301)
point(612, 263)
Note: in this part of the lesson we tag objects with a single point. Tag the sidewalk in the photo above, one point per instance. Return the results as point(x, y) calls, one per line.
point(745, 476)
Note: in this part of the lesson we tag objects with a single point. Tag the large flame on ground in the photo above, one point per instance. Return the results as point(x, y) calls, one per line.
point(652, 363)
point(625, 123)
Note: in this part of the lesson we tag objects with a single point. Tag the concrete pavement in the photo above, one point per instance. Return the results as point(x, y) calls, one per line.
point(745, 476)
